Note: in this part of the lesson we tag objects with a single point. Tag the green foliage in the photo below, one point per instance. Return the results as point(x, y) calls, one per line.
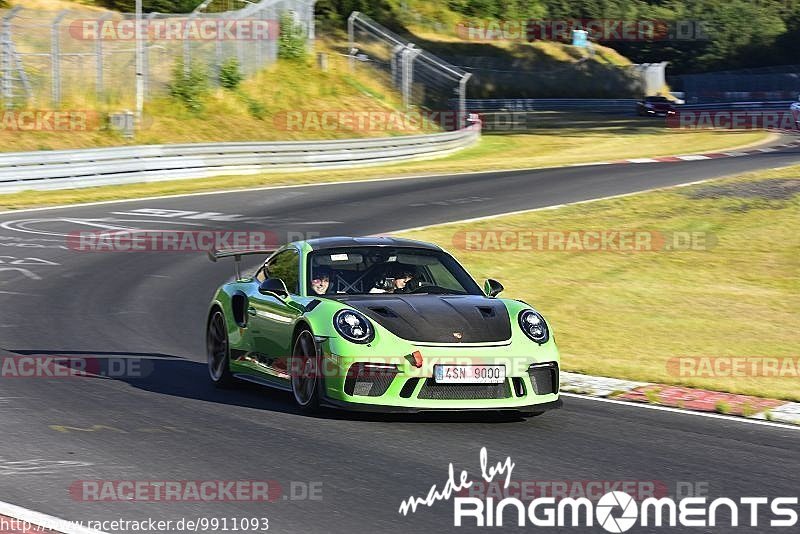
point(189, 86)
point(161, 6)
point(230, 75)
point(255, 107)
point(741, 33)
point(292, 41)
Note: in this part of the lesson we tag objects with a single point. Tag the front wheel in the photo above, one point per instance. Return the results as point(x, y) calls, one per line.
point(305, 372)
point(218, 351)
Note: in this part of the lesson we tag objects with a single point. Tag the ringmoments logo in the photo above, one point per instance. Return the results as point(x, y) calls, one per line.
point(615, 511)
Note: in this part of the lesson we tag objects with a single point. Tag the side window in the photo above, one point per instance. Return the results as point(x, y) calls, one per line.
point(285, 266)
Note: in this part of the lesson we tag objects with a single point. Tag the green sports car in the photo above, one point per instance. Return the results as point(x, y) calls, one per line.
point(379, 324)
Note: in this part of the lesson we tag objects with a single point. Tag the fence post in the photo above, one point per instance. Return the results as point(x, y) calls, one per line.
point(351, 36)
point(462, 101)
point(187, 44)
point(7, 59)
point(409, 55)
point(146, 54)
point(396, 64)
point(55, 55)
point(99, 58)
point(310, 22)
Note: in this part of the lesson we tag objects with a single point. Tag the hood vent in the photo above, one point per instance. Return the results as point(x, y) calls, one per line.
point(486, 311)
point(383, 311)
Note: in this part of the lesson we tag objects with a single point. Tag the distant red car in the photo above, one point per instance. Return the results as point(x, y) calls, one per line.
point(655, 106)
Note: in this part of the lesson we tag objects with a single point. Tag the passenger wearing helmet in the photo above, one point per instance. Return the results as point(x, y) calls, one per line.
point(321, 281)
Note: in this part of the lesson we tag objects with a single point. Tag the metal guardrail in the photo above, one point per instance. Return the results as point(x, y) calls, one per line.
point(773, 104)
point(552, 104)
point(602, 105)
point(66, 169)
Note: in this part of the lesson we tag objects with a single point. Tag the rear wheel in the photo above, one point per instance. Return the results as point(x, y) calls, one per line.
point(305, 372)
point(218, 351)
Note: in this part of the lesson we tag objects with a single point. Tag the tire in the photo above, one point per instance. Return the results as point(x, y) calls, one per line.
point(304, 368)
point(218, 351)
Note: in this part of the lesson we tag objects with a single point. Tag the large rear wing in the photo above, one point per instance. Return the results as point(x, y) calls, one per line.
point(237, 255)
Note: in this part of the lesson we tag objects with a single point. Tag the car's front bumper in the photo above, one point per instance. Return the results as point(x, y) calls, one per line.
point(531, 385)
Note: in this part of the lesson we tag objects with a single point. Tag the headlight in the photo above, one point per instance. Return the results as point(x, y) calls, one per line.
point(534, 326)
point(353, 326)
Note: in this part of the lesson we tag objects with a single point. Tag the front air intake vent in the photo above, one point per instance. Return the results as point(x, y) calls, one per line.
point(432, 390)
point(544, 378)
point(369, 380)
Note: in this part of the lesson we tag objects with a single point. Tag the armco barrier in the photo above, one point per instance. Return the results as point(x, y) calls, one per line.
point(602, 105)
point(66, 169)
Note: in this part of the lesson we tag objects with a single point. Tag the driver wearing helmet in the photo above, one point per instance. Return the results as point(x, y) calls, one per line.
point(395, 280)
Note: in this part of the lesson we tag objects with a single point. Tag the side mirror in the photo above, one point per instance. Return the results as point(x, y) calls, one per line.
point(492, 287)
point(273, 286)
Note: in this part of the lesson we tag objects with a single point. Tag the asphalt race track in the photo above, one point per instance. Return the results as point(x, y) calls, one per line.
point(172, 425)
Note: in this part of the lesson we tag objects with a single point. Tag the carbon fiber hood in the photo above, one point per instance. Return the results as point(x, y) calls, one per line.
point(437, 318)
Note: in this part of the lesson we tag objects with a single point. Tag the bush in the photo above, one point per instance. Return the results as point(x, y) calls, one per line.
point(230, 75)
point(189, 85)
point(292, 41)
point(256, 108)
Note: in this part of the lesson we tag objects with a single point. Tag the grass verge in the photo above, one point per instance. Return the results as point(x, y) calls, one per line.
point(546, 147)
point(629, 315)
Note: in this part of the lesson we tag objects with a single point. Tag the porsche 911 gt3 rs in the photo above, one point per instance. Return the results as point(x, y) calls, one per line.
point(379, 324)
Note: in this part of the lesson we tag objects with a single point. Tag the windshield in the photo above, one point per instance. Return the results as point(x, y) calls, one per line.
point(381, 270)
point(657, 99)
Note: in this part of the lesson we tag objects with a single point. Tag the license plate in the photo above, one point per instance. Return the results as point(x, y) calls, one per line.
point(469, 374)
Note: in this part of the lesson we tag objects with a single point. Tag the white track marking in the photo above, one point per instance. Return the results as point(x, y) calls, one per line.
point(642, 160)
point(693, 158)
point(729, 418)
point(38, 466)
point(43, 520)
point(110, 224)
point(26, 272)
